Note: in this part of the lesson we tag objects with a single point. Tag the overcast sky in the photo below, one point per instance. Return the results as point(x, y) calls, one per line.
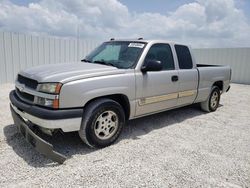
point(201, 23)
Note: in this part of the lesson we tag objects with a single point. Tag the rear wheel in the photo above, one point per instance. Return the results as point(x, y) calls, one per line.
point(102, 123)
point(212, 103)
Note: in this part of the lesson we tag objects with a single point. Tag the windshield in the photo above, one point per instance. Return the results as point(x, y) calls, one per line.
point(120, 54)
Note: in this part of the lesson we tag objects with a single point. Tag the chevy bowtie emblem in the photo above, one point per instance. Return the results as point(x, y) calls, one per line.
point(21, 88)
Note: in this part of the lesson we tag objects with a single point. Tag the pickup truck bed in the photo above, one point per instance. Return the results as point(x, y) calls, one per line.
point(210, 74)
point(206, 65)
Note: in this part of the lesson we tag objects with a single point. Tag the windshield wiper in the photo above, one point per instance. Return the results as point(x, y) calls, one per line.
point(104, 63)
point(86, 60)
point(99, 62)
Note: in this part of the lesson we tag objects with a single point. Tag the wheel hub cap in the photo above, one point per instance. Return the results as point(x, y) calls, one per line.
point(106, 125)
point(214, 99)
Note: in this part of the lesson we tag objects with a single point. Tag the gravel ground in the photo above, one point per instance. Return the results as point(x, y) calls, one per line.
point(178, 148)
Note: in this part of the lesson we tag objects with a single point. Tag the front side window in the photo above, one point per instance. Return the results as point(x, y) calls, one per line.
point(121, 54)
point(163, 53)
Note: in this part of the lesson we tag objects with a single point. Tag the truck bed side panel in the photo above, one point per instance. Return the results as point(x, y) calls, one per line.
point(208, 76)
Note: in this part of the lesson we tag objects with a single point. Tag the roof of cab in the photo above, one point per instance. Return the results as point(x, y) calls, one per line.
point(147, 41)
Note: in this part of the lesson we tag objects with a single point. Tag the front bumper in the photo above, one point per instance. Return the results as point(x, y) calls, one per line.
point(25, 116)
point(67, 120)
point(38, 143)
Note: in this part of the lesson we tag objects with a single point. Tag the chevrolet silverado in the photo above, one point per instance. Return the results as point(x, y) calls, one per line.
point(118, 81)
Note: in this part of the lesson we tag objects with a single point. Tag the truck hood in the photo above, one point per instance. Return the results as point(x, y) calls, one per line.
point(66, 72)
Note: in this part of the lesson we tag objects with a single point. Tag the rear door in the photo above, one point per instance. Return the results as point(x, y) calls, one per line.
point(188, 76)
point(157, 91)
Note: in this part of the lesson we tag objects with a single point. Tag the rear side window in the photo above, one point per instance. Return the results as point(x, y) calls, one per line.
point(163, 53)
point(184, 57)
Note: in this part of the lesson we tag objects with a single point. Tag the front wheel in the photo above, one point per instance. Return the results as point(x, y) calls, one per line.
point(212, 103)
point(102, 123)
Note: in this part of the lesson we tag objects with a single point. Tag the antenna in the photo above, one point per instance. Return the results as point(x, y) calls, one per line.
point(140, 38)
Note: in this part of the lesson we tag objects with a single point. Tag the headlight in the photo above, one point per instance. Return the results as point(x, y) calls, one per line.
point(50, 88)
point(53, 88)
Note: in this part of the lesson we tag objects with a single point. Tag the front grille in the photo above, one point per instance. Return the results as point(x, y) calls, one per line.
point(27, 81)
point(24, 96)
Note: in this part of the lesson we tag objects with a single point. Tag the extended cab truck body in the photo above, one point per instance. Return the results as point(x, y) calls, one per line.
point(118, 81)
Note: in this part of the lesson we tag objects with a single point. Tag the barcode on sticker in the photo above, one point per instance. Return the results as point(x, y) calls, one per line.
point(136, 45)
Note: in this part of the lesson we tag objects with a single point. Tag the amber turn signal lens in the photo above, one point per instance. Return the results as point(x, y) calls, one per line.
point(58, 88)
point(56, 103)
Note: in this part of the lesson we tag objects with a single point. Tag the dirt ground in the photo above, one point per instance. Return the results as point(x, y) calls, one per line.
point(179, 148)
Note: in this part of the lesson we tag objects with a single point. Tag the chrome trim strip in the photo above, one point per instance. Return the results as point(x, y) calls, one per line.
point(22, 88)
point(67, 125)
point(155, 99)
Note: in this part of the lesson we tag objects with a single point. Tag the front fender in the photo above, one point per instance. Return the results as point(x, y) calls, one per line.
point(79, 92)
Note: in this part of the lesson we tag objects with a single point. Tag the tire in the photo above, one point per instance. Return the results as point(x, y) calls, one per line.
point(213, 101)
point(102, 123)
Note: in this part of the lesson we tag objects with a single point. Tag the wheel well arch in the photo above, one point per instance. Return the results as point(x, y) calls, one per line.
point(219, 84)
point(120, 98)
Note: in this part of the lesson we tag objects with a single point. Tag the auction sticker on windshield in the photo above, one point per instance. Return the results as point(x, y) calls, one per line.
point(136, 45)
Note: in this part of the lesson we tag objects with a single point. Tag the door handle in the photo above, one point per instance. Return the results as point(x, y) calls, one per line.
point(175, 78)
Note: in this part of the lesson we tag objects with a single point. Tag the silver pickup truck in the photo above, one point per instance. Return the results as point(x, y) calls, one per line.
point(118, 81)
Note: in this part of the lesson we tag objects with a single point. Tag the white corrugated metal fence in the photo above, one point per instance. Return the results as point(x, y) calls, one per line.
point(19, 51)
point(237, 58)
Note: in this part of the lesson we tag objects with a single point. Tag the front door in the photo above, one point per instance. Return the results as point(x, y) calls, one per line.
point(158, 90)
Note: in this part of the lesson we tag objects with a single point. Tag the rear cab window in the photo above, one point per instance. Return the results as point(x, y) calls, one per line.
point(184, 57)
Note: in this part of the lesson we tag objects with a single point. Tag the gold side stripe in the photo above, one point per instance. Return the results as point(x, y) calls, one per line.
point(187, 93)
point(155, 99)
